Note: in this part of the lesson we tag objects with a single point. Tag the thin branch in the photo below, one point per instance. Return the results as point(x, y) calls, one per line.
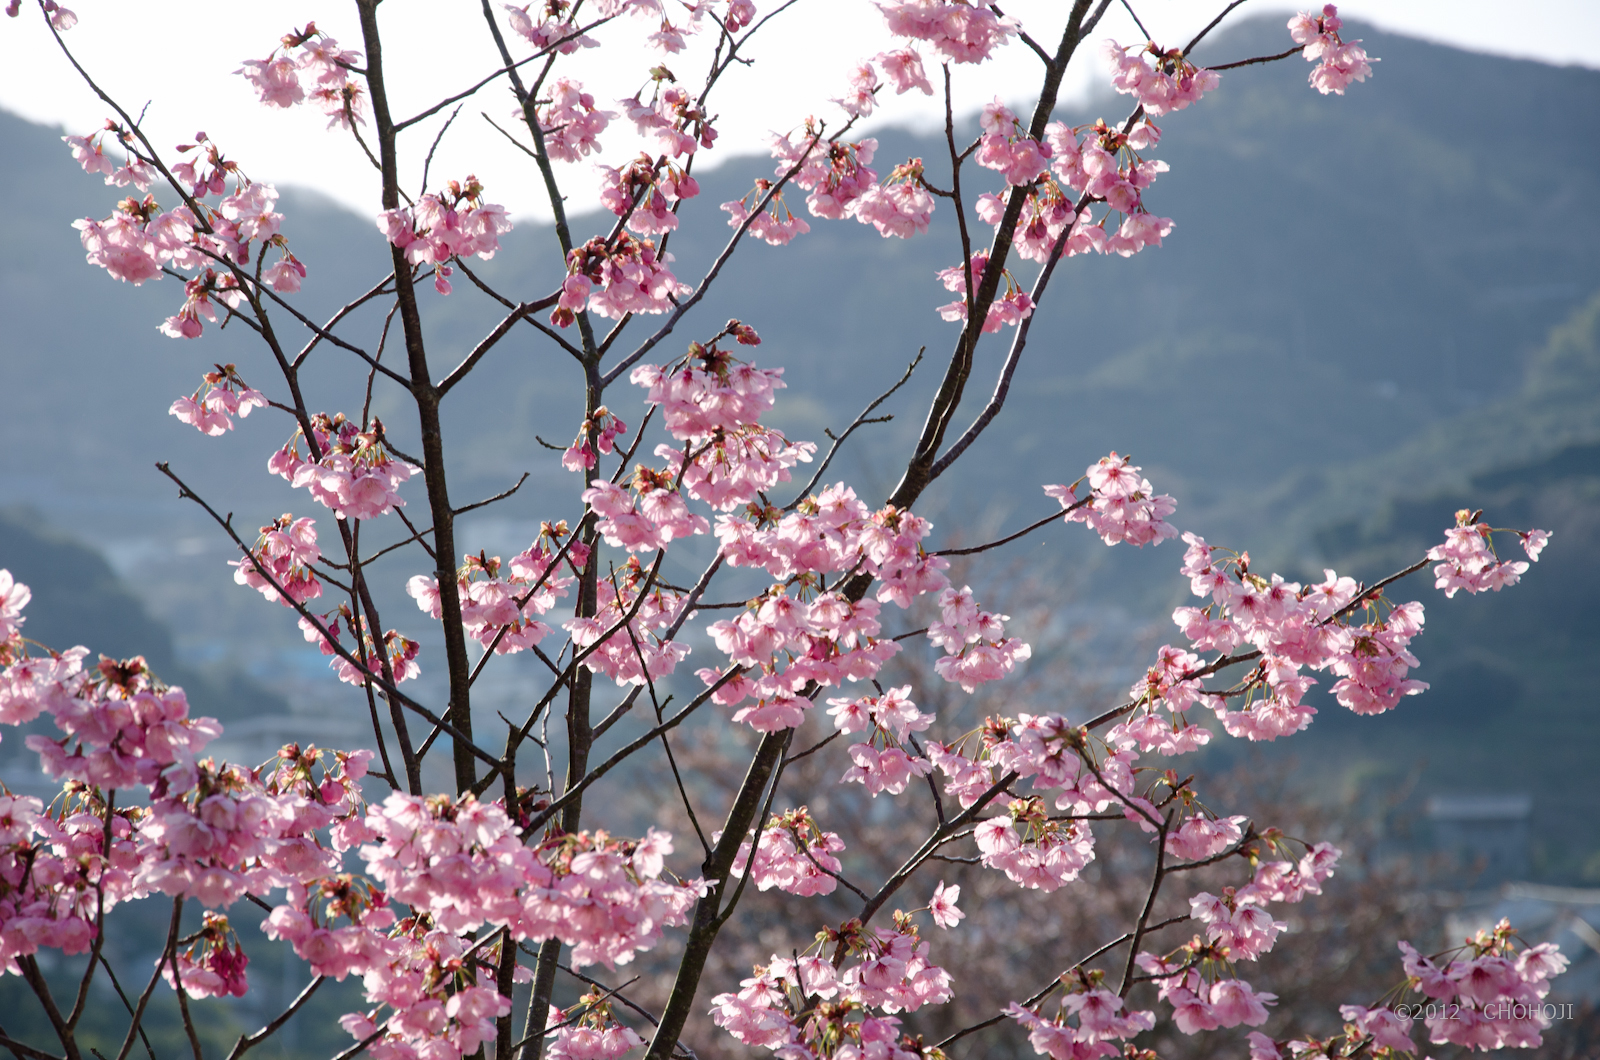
point(1046, 991)
point(848, 431)
point(1024, 532)
point(544, 52)
point(1296, 50)
point(1149, 903)
point(427, 163)
point(115, 985)
point(183, 1011)
point(627, 751)
point(1140, 24)
point(344, 311)
point(21, 1049)
point(361, 1046)
point(1035, 46)
point(1213, 24)
point(814, 748)
point(471, 360)
point(690, 603)
point(250, 1041)
point(939, 836)
point(168, 953)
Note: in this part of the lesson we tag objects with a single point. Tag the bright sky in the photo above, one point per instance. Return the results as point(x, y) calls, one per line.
point(799, 60)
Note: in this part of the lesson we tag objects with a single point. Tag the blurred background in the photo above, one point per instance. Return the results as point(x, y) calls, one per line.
point(1374, 310)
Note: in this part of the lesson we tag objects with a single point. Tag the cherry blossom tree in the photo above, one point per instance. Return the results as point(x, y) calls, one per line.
point(448, 905)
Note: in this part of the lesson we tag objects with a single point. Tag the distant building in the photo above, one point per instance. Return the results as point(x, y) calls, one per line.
point(1486, 834)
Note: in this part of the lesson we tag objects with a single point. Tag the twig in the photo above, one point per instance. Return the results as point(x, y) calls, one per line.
point(848, 431)
point(1024, 532)
point(427, 163)
point(250, 1041)
point(1149, 904)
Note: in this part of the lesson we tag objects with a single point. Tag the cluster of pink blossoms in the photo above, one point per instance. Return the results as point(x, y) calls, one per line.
point(435, 1012)
point(500, 603)
point(794, 855)
point(1006, 148)
point(1105, 165)
point(1201, 1002)
point(961, 32)
point(1491, 993)
point(211, 408)
point(1101, 1023)
point(139, 241)
point(899, 206)
point(352, 472)
point(14, 596)
point(891, 717)
point(1031, 849)
point(1293, 627)
point(673, 118)
point(841, 183)
point(604, 427)
point(53, 868)
point(776, 226)
point(661, 514)
point(89, 152)
point(1488, 996)
point(400, 652)
point(891, 973)
point(454, 224)
point(634, 652)
point(210, 832)
point(1163, 81)
point(119, 728)
point(286, 550)
point(631, 278)
point(571, 122)
point(1339, 62)
point(1124, 506)
point(1467, 560)
point(902, 67)
point(277, 79)
point(645, 195)
point(1198, 978)
point(714, 410)
point(976, 647)
point(834, 172)
point(1296, 626)
point(213, 965)
point(218, 832)
point(1011, 306)
point(829, 641)
point(587, 1031)
point(551, 33)
point(463, 863)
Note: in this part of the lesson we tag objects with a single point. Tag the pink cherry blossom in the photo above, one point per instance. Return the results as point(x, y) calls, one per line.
point(1339, 62)
point(959, 32)
point(942, 906)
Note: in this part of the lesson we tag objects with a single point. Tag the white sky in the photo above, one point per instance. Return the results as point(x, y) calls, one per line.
point(180, 58)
